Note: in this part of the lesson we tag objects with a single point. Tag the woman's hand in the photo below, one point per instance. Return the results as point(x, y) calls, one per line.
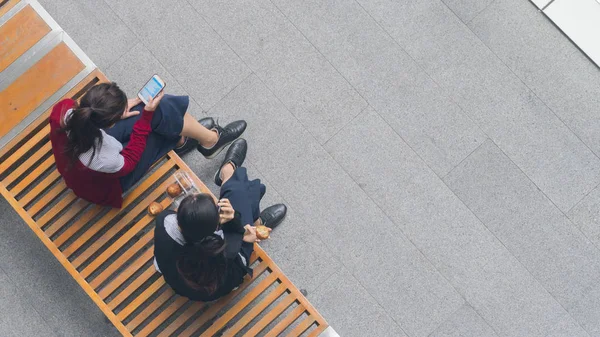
point(130, 104)
point(226, 213)
point(250, 234)
point(153, 102)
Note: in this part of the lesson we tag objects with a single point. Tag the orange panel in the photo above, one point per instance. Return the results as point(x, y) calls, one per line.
point(19, 34)
point(36, 85)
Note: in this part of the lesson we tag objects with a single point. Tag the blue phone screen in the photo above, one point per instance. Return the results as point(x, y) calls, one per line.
point(152, 88)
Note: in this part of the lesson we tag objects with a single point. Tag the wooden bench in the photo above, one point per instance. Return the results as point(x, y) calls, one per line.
point(109, 252)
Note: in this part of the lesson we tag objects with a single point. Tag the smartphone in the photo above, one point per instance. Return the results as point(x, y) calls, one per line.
point(152, 88)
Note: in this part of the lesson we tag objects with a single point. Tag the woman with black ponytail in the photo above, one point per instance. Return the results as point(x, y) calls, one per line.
point(203, 249)
point(105, 143)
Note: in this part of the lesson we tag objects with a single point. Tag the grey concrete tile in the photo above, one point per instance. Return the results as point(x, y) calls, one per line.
point(465, 322)
point(44, 283)
point(586, 215)
point(185, 45)
point(587, 312)
point(483, 271)
point(567, 327)
point(350, 310)
point(94, 27)
point(17, 317)
point(389, 79)
point(466, 10)
point(565, 262)
point(333, 206)
point(138, 65)
point(522, 126)
point(290, 66)
point(548, 63)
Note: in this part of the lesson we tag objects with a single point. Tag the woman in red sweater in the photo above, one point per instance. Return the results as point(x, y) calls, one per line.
point(105, 143)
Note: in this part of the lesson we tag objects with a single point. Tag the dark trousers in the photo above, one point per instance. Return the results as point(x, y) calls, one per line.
point(244, 196)
point(167, 124)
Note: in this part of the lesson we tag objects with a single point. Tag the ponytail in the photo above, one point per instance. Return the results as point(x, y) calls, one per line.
point(100, 107)
point(202, 265)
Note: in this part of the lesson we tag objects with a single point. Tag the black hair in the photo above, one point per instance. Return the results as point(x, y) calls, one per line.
point(202, 264)
point(100, 107)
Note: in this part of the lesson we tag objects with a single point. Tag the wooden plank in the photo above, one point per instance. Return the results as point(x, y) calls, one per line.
point(286, 322)
point(256, 310)
point(115, 283)
point(23, 149)
point(272, 315)
point(317, 331)
point(303, 326)
point(123, 239)
point(143, 297)
point(63, 261)
point(33, 176)
point(66, 217)
point(36, 85)
point(20, 33)
point(59, 206)
point(124, 257)
point(86, 217)
point(145, 185)
point(150, 309)
point(222, 302)
point(7, 5)
point(15, 145)
point(132, 287)
point(182, 319)
point(47, 198)
point(239, 306)
point(26, 165)
point(163, 316)
point(39, 189)
point(111, 232)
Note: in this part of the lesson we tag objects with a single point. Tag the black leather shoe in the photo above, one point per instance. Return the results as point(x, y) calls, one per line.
point(272, 216)
point(236, 154)
point(191, 143)
point(227, 134)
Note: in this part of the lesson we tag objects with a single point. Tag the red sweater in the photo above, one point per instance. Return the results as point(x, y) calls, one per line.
point(96, 187)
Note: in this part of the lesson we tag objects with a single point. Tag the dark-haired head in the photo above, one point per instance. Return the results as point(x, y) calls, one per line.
point(202, 264)
point(99, 108)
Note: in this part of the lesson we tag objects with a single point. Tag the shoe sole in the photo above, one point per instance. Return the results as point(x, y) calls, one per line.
point(218, 151)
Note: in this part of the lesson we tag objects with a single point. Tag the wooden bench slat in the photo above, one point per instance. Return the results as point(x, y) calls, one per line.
point(284, 323)
point(36, 85)
point(115, 283)
point(123, 239)
point(131, 307)
point(318, 330)
point(32, 176)
point(240, 305)
point(66, 217)
point(62, 204)
point(150, 309)
point(111, 232)
point(132, 287)
point(19, 34)
point(163, 316)
point(130, 252)
point(221, 303)
point(47, 198)
point(269, 317)
point(182, 319)
point(303, 326)
point(39, 188)
point(256, 310)
point(27, 164)
point(20, 153)
point(85, 218)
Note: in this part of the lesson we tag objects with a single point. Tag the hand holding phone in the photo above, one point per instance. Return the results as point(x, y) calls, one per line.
point(151, 89)
point(153, 102)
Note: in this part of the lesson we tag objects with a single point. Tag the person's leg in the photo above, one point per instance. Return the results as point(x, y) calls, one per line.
point(193, 129)
point(242, 194)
